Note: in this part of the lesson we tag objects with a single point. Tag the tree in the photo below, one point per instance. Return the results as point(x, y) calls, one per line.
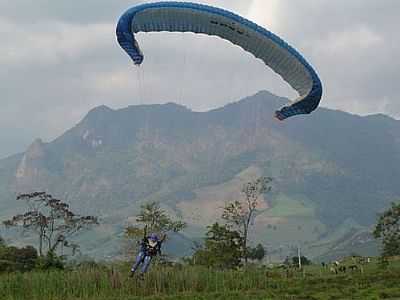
point(155, 219)
point(294, 261)
point(17, 259)
point(222, 248)
point(239, 214)
point(257, 253)
point(304, 261)
point(52, 220)
point(388, 229)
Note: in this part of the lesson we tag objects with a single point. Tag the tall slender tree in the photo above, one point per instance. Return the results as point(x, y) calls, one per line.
point(240, 213)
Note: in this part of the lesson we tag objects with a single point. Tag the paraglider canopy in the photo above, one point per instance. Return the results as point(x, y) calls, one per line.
point(199, 18)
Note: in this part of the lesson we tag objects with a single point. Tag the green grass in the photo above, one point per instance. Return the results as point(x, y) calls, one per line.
point(284, 206)
point(112, 282)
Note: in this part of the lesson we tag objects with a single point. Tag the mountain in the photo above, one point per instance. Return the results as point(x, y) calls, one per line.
point(333, 171)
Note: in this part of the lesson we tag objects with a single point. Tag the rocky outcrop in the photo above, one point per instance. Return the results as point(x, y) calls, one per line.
point(31, 171)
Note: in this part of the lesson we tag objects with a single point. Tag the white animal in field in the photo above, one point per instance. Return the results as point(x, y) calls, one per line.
point(336, 263)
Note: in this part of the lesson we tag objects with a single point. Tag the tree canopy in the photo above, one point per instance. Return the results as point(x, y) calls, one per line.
point(388, 230)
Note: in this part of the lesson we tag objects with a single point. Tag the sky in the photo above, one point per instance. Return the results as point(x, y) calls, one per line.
point(59, 59)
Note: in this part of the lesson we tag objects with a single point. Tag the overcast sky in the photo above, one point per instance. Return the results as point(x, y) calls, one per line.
point(59, 59)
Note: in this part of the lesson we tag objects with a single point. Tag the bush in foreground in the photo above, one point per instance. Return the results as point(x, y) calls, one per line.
point(17, 259)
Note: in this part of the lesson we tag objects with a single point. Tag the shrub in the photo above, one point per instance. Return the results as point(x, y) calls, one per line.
point(17, 259)
point(50, 261)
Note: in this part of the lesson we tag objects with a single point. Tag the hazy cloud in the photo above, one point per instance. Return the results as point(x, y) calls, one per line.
point(352, 44)
point(58, 59)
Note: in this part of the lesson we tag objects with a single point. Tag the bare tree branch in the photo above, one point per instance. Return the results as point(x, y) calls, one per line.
point(51, 219)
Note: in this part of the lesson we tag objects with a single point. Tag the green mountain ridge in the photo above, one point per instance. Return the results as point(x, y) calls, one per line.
point(328, 167)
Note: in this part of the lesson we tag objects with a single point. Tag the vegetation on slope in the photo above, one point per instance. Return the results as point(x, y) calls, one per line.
point(188, 282)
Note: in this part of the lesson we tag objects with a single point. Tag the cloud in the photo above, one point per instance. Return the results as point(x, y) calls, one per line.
point(265, 13)
point(49, 42)
point(58, 59)
point(352, 44)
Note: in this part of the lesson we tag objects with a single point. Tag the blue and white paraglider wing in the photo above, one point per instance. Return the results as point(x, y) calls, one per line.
point(198, 18)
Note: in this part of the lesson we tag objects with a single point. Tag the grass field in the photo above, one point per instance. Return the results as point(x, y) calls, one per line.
point(112, 282)
point(283, 206)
